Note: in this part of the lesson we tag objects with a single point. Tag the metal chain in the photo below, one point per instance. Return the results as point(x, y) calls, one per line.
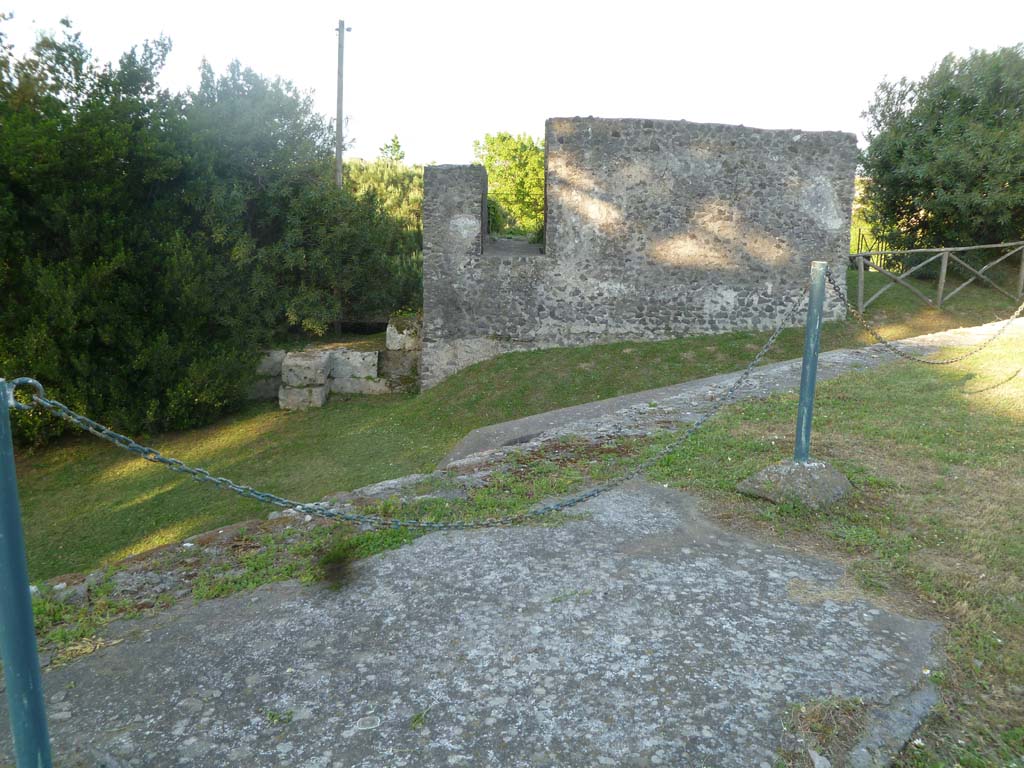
point(906, 355)
point(727, 398)
point(326, 510)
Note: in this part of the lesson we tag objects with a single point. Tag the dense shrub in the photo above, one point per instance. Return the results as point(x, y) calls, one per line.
point(497, 218)
point(151, 243)
point(398, 189)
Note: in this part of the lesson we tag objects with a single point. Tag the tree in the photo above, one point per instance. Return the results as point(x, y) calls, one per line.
point(110, 300)
point(392, 152)
point(398, 189)
point(945, 163)
point(515, 177)
point(151, 243)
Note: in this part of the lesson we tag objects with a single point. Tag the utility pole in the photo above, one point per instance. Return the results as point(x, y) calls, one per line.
point(339, 175)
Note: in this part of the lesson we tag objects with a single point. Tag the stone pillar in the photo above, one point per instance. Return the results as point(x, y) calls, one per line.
point(454, 227)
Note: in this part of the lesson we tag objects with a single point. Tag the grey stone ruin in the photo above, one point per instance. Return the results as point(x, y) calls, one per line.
point(654, 229)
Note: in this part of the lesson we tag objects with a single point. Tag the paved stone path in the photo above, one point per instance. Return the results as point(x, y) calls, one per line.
point(642, 636)
point(684, 403)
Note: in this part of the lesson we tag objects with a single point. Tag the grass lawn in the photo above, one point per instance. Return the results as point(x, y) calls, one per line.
point(86, 503)
point(936, 525)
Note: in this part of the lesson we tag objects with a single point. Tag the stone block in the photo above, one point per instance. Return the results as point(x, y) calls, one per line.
point(369, 386)
point(301, 398)
point(815, 485)
point(264, 389)
point(395, 364)
point(305, 369)
point(403, 334)
point(351, 364)
point(270, 365)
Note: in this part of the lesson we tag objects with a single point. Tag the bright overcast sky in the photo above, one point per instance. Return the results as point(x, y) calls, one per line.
point(441, 74)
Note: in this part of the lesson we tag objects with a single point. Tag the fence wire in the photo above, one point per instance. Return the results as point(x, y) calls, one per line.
point(903, 353)
point(333, 512)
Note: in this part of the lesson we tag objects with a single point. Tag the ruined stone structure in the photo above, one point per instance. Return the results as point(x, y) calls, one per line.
point(654, 229)
point(305, 378)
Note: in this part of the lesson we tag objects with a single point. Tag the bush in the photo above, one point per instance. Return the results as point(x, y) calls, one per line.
point(497, 218)
point(945, 163)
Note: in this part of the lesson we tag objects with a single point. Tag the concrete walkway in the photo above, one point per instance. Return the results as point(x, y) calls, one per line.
point(642, 636)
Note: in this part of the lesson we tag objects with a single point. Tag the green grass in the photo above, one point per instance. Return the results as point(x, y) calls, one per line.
point(87, 504)
point(63, 624)
point(829, 726)
point(936, 524)
point(367, 342)
point(271, 559)
point(245, 557)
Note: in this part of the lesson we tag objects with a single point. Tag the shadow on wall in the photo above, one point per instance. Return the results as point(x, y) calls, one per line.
point(653, 229)
point(702, 197)
point(708, 240)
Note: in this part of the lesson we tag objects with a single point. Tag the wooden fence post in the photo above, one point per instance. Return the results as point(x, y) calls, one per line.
point(1020, 279)
point(942, 278)
point(860, 284)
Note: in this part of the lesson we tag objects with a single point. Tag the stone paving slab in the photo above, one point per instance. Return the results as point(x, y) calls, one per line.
point(642, 635)
point(641, 413)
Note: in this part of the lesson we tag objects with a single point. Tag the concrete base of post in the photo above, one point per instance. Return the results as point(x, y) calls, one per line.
point(813, 484)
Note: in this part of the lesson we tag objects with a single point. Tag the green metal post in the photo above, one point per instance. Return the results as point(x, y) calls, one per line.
point(809, 371)
point(25, 706)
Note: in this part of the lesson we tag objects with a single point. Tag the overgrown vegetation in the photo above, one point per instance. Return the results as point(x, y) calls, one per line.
point(945, 164)
point(831, 727)
point(151, 242)
point(396, 188)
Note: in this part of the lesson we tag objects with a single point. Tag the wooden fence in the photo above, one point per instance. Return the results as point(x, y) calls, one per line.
point(873, 260)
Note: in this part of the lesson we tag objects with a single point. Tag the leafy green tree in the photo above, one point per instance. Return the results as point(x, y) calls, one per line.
point(392, 152)
point(515, 178)
point(945, 164)
point(108, 300)
point(398, 189)
point(151, 243)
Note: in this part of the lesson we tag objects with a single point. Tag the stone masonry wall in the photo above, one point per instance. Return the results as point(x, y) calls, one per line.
point(654, 229)
point(454, 277)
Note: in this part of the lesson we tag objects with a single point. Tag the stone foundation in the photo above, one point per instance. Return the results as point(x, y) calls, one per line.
point(305, 379)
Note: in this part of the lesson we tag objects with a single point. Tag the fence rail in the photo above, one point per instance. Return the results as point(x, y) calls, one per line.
point(876, 260)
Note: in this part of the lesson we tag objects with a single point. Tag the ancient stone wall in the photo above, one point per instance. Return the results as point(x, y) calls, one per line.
point(305, 378)
point(654, 229)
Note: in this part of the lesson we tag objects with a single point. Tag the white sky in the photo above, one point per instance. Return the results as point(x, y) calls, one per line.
point(441, 74)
